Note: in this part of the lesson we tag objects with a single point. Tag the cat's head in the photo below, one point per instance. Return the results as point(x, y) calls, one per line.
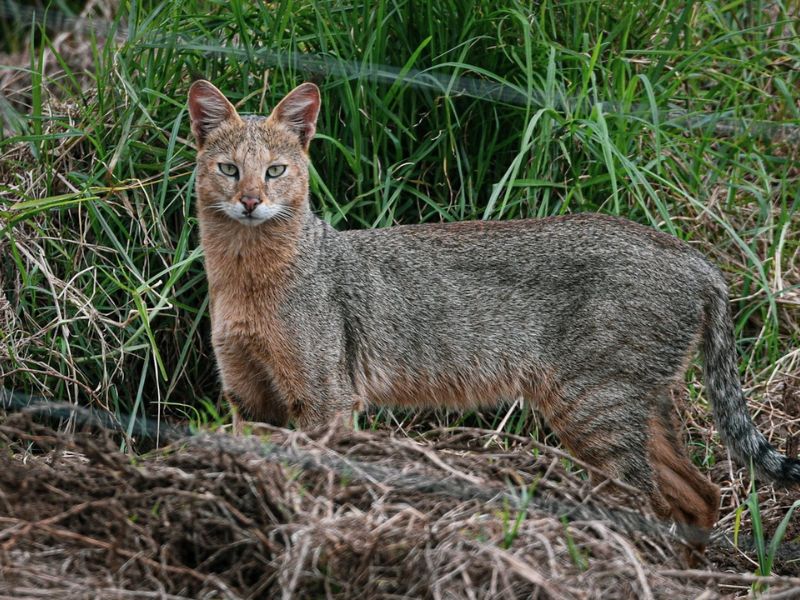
point(252, 170)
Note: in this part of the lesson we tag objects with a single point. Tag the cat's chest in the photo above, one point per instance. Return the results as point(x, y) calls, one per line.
point(235, 315)
point(245, 299)
point(255, 334)
point(252, 315)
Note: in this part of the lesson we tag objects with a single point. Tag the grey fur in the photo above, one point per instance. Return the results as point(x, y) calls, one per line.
point(600, 313)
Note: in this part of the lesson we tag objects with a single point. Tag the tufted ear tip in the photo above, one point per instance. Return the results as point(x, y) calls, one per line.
point(298, 111)
point(208, 109)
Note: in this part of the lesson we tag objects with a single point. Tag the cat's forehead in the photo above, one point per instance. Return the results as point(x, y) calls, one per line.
point(253, 134)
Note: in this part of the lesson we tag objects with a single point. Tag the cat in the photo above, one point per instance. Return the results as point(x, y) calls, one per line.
point(593, 319)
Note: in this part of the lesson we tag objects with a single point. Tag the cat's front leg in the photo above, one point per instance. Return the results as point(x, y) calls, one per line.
point(334, 402)
point(249, 388)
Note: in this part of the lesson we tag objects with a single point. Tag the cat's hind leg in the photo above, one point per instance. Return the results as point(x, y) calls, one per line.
point(605, 424)
point(612, 427)
point(693, 499)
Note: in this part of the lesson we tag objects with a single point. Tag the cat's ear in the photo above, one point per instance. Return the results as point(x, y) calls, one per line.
point(298, 111)
point(208, 109)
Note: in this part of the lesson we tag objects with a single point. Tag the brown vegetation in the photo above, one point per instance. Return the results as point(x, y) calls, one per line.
point(332, 513)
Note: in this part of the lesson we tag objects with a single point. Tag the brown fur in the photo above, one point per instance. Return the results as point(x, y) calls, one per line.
point(461, 392)
point(253, 262)
point(684, 494)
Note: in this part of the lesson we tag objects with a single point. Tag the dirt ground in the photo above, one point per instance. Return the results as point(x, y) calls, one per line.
point(339, 514)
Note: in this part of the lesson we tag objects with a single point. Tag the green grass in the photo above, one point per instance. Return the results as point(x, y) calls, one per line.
point(765, 551)
point(678, 115)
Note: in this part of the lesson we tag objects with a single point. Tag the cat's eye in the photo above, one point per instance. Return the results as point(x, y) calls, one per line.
point(229, 169)
point(275, 171)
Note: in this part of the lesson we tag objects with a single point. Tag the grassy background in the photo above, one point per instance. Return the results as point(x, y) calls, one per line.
point(684, 116)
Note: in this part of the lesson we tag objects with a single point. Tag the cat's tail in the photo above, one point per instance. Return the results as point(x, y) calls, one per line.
point(736, 428)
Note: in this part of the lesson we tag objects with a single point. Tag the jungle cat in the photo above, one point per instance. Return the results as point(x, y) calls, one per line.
point(592, 319)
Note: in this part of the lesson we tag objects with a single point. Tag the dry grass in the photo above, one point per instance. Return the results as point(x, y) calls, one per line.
point(331, 513)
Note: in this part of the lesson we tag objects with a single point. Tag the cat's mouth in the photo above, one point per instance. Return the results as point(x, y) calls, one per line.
point(258, 215)
point(251, 220)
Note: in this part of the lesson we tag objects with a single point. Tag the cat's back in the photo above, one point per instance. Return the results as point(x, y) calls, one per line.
point(580, 242)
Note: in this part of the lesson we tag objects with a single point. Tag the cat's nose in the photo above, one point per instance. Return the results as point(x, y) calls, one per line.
point(250, 202)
